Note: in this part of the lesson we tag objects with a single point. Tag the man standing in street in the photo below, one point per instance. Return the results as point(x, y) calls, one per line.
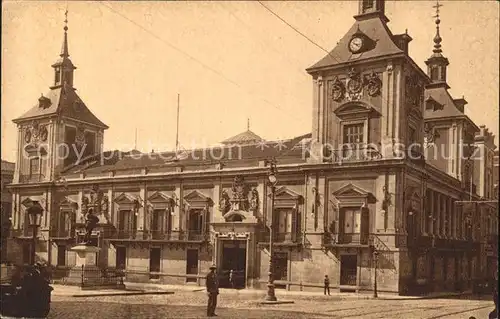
point(212, 290)
point(327, 285)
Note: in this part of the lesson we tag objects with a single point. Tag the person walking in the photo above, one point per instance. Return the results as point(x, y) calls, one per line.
point(212, 290)
point(231, 279)
point(327, 285)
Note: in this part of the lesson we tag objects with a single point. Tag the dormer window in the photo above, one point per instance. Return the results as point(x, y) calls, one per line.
point(44, 102)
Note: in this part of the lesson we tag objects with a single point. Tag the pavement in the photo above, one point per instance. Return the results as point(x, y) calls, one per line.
point(187, 304)
point(190, 302)
point(152, 289)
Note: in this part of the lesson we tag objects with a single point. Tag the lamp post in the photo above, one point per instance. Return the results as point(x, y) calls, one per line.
point(35, 216)
point(272, 180)
point(375, 264)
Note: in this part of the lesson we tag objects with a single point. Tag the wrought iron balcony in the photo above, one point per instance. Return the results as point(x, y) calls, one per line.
point(354, 239)
point(166, 235)
point(31, 178)
point(61, 233)
point(279, 237)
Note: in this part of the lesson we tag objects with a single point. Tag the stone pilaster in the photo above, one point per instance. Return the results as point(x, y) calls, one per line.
point(176, 217)
point(142, 213)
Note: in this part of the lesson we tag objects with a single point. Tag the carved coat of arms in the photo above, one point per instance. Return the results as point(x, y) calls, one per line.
point(373, 84)
point(337, 90)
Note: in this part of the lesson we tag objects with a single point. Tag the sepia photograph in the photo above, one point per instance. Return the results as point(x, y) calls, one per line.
point(250, 159)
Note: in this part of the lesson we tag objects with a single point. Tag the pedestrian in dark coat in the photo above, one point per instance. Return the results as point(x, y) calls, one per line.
point(327, 285)
point(212, 290)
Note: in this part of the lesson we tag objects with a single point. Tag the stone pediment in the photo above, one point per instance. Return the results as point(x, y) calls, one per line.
point(285, 197)
point(286, 193)
point(159, 197)
point(355, 108)
point(68, 204)
point(125, 199)
point(197, 199)
point(350, 190)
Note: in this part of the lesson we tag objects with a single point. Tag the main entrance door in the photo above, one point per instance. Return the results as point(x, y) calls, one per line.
point(234, 256)
point(348, 270)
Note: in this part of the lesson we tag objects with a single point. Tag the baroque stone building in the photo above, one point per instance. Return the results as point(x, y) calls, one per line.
point(351, 187)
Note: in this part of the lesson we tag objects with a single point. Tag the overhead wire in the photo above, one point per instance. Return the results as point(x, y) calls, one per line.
point(191, 57)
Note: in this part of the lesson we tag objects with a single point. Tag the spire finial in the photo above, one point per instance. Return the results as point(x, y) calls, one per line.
point(248, 124)
point(64, 50)
point(437, 38)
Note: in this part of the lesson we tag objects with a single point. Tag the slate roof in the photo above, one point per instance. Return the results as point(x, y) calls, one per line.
point(376, 30)
point(246, 137)
point(64, 102)
point(291, 149)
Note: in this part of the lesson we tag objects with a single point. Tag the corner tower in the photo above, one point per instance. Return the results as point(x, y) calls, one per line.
point(59, 130)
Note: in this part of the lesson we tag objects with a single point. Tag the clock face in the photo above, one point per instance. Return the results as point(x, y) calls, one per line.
point(356, 44)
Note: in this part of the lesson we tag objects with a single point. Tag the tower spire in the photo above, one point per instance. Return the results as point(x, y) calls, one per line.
point(248, 124)
point(437, 63)
point(64, 50)
point(63, 68)
point(437, 38)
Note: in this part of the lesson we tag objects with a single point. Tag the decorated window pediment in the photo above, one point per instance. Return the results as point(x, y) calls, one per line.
point(285, 197)
point(355, 109)
point(127, 201)
point(352, 194)
point(196, 199)
point(161, 200)
point(68, 204)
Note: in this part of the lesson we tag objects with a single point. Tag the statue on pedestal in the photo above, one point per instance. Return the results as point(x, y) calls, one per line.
point(91, 222)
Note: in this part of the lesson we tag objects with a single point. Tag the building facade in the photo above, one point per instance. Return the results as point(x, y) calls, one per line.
point(380, 181)
point(6, 208)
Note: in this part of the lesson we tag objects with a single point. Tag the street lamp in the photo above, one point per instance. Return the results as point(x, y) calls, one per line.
point(272, 181)
point(35, 218)
point(375, 264)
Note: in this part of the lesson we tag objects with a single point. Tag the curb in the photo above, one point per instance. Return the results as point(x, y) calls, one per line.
point(123, 294)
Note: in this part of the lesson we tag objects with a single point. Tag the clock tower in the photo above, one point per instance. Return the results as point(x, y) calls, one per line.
point(370, 8)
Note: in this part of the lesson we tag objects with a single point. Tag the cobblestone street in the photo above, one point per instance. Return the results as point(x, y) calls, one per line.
point(192, 305)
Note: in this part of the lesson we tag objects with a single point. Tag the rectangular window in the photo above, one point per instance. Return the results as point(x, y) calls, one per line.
point(157, 223)
point(154, 262)
point(284, 221)
point(121, 257)
point(352, 221)
point(191, 264)
point(34, 166)
point(61, 255)
point(353, 134)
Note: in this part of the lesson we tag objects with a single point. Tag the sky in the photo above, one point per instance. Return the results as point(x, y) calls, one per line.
point(231, 62)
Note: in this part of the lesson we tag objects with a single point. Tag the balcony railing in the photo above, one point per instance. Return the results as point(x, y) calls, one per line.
point(167, 235)
point(61, 233)
point(279, 237)
point(24, 178)
point(346, 239)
